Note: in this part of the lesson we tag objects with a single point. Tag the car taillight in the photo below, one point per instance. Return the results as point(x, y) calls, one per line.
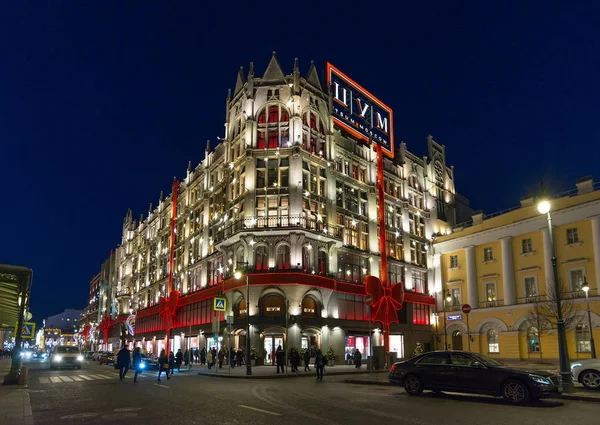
point(393, 368)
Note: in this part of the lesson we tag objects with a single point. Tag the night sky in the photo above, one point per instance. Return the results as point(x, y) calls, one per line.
point(101, 104)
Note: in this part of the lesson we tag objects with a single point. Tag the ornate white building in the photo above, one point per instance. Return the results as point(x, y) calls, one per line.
point(289, 199)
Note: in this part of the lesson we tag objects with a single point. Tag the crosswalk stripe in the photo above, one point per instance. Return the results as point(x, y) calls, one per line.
point(44, 380)
point(55, 379)
point(106, 377)
point(66, 379)
point(76, 378)
point(99, 377)
point(87, 378)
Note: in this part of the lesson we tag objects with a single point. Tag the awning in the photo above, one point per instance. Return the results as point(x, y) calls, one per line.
point(15, 284)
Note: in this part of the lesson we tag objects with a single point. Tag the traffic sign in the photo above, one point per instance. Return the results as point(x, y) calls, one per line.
point(455, 317)
point(369, 299)
point(220, 304)
point(27, 330)
point(466, 308)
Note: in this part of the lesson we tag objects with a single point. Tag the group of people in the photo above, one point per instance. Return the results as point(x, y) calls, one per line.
point(127, 360)
point(296, 357)
point(5, 354)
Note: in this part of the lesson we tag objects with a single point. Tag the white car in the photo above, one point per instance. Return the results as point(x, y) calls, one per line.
point(587, 373)
point(66, 356)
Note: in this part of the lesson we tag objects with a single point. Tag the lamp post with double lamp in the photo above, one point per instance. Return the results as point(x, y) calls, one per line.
point(586, 289)
point(544, 207)
point(238, 276)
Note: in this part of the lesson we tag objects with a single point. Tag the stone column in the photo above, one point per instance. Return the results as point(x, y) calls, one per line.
point(548, 261)
point(596, 241)
point(472, 289)
point(508, 271)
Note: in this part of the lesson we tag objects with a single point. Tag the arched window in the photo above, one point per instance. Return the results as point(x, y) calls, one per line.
point(533, 340)
point(283, 257)
point(582, 338)
point(322, 262)
point(492, 340)
point(241, 309)
point(309, 307)
point(306, 260)
point(273, 305)
point(313, 134)
point(262, 258)
point(273, 127)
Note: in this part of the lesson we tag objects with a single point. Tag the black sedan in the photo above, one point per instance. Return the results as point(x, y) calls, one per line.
point(465, 372)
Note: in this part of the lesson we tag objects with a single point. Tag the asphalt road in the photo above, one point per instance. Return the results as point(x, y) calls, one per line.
point(94, 395)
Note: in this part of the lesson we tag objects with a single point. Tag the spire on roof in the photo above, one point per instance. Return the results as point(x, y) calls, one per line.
point(274, 71)
point(189, 169)
point(250, 90)
point(241, 80)
point(162, 197)
point(313, 76)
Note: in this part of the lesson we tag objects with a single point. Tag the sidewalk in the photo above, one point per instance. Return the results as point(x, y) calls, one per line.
point(270, 372)
point(15, 407)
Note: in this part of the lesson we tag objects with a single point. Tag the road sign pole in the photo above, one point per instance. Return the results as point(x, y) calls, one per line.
point(468, 333)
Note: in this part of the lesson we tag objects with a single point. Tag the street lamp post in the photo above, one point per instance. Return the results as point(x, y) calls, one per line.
point(238, 275)
point(445, 298)
point(563, 351)
point(586, 289)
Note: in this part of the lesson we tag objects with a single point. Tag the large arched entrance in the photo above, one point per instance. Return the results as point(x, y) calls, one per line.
point(457, 340)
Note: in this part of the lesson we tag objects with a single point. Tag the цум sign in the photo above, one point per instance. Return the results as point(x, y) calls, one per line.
point(359, 112)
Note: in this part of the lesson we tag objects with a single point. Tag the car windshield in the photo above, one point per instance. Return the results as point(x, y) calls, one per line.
point(487, 360)
point(67, 350)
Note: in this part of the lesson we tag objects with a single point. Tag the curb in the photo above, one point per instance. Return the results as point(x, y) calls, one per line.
point(575, 397)
point(284, 376)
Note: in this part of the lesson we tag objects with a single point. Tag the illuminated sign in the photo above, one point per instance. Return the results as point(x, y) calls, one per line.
point(455, 317)
point(359, 112)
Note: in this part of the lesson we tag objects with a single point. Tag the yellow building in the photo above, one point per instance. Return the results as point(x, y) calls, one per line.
point(501, 265)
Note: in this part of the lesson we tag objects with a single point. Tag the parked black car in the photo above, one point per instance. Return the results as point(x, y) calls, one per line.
point(464, 372)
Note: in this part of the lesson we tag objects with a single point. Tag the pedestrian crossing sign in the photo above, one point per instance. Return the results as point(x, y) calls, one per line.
point(220, 304)
point(27, 330)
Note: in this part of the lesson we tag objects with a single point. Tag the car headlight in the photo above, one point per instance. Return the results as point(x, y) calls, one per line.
point(575, 365)
point(540, 379)
point(79, 358)
point(142, 365)
point(57, 358)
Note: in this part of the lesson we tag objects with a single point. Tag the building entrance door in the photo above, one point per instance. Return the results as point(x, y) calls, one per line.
point(457, 342)
point(270, 346)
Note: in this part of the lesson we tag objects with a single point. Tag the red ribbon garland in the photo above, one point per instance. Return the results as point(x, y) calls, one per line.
point(167, 307)
point(105, 327)
point(386, 300)
point(86, 331)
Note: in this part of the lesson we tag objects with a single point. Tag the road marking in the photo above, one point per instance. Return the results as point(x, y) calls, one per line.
point(127, 409)
point(260, 410)
point(87, 378)
point(97, 377)
point(79, 415)
point(163, 386)
point(66, 379)
point(44, 380)
point(106, 377)
point(55, 379)
point(76, 378)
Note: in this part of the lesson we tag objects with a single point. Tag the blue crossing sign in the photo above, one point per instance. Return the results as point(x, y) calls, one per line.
point(220, 304)
point(27, 330)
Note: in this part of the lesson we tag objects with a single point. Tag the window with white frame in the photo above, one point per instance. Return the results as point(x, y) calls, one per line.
point(272, 211)
point(572, 235)
point(576, 277)
point(454, 261)
point(419, 281)
point(533, 340)
point(456, 299)
point(490, 294)
point(582, 338)
point(488, 254)
point(531, 289)
point(526, 246)
point(492, 340)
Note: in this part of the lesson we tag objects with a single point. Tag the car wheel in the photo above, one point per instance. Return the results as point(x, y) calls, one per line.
point(516, 392)
point(413, 385)
point(590, 379)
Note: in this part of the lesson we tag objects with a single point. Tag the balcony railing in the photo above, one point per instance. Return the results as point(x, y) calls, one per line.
point(287, 222)
point(491, 304)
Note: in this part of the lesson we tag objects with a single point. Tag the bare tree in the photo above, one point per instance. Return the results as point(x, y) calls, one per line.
point(537, 318)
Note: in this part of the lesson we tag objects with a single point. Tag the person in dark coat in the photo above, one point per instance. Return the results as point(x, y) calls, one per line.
point(307, 361)
point(137, 362)
point(238, 357)
point(232, 357)
point(179, 359)
point(124, 361)
point(163, 364)
point(171, 363)
point(280, 358)
point(203, 356)
point(320, 361)
point(186, 357)
point(357, 359)
point(221, 357)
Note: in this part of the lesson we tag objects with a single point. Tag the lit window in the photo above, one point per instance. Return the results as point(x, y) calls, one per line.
point(487, 254)
point(533, 340)
point(454, 261)
point(582, 337)
point(492, 339)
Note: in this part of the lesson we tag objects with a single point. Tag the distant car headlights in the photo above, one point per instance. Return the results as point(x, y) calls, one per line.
point(79, 358)
point(57, 359)
point(540, 379)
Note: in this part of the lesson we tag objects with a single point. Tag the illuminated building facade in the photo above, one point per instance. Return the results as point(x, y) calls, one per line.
point(289, 199)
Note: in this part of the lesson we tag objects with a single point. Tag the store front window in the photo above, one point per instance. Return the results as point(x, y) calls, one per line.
point(354, 343)
point(397, 345)
point(270, 347)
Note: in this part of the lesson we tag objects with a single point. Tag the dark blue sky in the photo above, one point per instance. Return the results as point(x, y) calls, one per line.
point(102, 104)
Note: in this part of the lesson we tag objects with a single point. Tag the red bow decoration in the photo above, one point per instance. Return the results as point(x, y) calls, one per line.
point(105, 327)
point(167, 307)
point(86, 331)
point(386, 300)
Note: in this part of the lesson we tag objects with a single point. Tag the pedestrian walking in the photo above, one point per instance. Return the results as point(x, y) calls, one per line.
point(320, 365)
point(137, 362)
point(357, 359)
point(163, 364)
point(123, 361)
point(171, 363)
point(203, 356)
point(186, 357)
point(221, 357)
point(279, 356)
point(307, 361)
point(179, 360)
point(232, 357)
point(238, 356)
